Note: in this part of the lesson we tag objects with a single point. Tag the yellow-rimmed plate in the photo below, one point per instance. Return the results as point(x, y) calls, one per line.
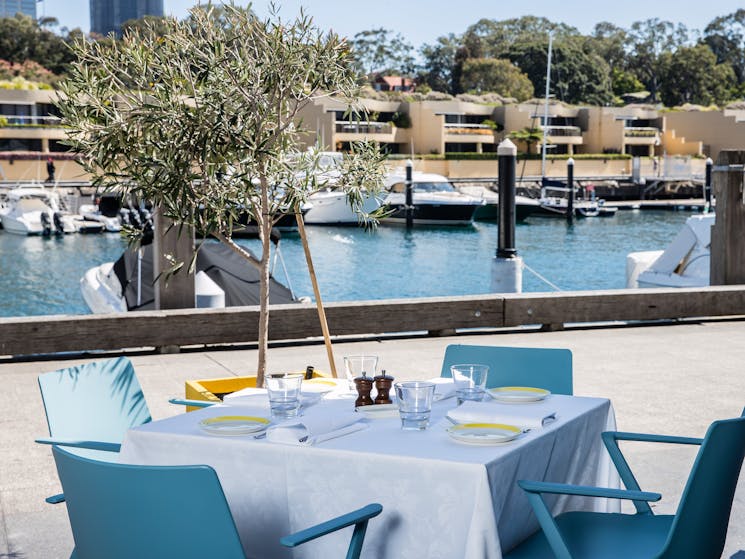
point(233, 425)
point(518, 394)
point(484, 433)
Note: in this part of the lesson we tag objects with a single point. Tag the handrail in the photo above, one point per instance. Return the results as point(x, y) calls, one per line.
point(184, 327)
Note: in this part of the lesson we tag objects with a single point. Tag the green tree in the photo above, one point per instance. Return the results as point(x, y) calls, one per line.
point(381, 50)
point(652, 41)
point(693, 76)
point(203, 122)
point(482, 75)
point(625, 82)
point(578, 75)
point(22, 38)
point(725, 36)
point(439, 61)
point(529, 137)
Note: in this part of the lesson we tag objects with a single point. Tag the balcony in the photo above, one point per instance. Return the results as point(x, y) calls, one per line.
point(29, 121)
point(563, 134)
point(364, 127)
point(641, 135)
point(469, 133)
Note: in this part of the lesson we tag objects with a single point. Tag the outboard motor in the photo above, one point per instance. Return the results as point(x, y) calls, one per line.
point(59, 228)
point(46, 224)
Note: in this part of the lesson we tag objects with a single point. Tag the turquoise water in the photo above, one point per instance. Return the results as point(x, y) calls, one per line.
point(40, 276)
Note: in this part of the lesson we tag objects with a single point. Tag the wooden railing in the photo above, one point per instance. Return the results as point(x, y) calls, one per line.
point(148, 329)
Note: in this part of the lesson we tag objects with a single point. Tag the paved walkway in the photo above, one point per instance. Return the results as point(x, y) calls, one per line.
point(672, 379)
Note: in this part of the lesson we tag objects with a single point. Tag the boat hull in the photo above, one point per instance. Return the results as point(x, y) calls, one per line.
point(434, 214)
point(332, 208)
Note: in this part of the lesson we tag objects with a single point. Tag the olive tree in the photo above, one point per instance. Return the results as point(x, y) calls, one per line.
point(201, 119)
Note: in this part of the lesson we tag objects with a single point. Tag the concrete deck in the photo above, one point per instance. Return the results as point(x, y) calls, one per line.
point(672, 379)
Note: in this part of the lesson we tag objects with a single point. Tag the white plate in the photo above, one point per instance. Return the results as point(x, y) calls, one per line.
point(378, 411)
point(484, 433)
point(233, 425)
point(517, 394)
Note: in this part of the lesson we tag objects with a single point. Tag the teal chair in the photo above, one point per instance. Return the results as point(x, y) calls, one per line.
point(122, 511)
point(697, 529)
point(546, 368)
point(92, 406)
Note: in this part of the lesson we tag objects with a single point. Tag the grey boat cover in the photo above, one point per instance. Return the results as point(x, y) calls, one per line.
point(238, 278)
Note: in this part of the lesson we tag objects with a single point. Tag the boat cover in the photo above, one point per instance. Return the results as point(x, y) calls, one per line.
point(239, 279)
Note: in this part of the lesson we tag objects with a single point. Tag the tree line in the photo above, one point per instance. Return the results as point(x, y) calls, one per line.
point(673, 64)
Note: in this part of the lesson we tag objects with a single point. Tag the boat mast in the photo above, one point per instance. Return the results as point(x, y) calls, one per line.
point(545, 106)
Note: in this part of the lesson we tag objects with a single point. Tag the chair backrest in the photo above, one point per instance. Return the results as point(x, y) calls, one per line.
point(96, 401)
point(121, 511)
point(700, 525)
point(546, 368)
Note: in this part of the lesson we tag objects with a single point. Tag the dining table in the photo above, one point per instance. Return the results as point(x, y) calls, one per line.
point(442, 498)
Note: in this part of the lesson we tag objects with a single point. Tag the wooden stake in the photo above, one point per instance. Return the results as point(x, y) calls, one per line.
point(316, 292)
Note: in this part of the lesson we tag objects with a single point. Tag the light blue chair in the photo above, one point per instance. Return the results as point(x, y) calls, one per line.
point(121, 511)
point(697, 529)
point(92, 406)
point(546, 368)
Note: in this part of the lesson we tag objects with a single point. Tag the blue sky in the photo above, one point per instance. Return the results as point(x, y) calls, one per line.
point(422, 21)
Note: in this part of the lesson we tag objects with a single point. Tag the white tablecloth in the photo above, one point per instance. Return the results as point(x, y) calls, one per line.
point(441, 499)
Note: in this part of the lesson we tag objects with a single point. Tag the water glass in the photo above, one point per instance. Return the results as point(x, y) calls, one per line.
point(470, 381)
point(357, 365)
point(284, 394)
point(415, 403)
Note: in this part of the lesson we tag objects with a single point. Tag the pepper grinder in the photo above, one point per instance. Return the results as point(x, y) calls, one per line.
point(364, 385)
point(383, 385)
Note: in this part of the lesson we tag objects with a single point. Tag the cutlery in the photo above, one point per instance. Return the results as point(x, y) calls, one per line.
point(262, 435)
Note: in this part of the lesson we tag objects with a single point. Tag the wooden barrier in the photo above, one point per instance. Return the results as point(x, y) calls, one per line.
point(147, 329)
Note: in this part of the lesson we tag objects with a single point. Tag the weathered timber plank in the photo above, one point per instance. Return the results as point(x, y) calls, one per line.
point(54, 334)
point(623, 304)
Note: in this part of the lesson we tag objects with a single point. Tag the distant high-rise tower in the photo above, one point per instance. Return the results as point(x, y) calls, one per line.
point(9, 8)
point(108, 15)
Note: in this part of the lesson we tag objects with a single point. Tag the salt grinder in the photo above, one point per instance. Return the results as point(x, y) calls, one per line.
point(383, 384)
point(364, 385)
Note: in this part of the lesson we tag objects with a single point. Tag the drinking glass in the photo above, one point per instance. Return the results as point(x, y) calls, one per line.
point(284, 394)
point(415, 403)
point(356, 365)
point(470, 381)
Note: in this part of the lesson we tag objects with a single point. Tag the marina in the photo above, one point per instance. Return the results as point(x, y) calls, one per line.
point(41, 275)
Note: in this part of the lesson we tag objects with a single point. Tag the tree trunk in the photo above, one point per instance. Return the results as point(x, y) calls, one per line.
point(265, 229)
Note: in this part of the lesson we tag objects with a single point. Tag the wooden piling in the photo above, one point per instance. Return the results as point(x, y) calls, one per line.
point(727, 265)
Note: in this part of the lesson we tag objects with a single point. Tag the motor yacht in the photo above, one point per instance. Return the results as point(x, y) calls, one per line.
point(435, 200)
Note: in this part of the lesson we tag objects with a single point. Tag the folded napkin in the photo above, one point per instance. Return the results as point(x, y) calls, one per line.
point(444, 388)
point(530, 416)
point(314, 426)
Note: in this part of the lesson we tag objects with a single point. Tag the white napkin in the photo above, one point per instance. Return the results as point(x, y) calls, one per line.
point(314, 426)
point(530, 416)
point(444, 388)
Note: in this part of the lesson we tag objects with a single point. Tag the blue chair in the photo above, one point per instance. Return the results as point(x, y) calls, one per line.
point(122, 511)
point(546, 368)
point(92, 406)
point(697, 529)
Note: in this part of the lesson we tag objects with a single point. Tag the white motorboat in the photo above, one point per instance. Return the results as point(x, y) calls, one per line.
point(331, 207)
point(684, 263)
point(31, 210)
point(105, 209)
point(435, 200)
point(554, 202)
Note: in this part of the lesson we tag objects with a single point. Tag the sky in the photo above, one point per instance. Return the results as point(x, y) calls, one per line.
point(422, 21)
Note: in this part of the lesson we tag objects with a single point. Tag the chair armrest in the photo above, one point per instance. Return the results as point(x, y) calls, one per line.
point(56, 499)
point(359, 518)
point(650, 438)
point(535, 489)
point(565, 489)
point(92, 445)
point(610, 440)
point(192, 403)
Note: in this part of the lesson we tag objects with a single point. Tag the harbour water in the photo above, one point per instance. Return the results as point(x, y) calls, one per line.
point(40, 276)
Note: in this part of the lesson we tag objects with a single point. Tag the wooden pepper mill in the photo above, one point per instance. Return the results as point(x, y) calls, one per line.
point(364, 385)
point(383, 385)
